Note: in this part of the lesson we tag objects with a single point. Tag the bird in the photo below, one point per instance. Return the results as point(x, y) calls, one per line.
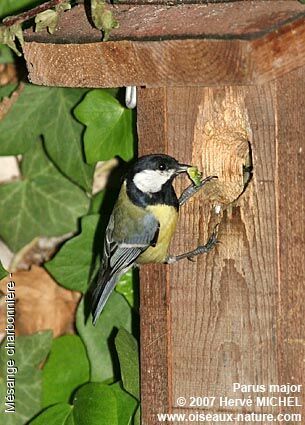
point(143, 222)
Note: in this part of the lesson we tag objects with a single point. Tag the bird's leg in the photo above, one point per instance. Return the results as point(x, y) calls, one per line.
point(192, 189)
point(201, 249)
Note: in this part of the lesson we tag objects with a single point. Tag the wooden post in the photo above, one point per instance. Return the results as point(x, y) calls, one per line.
point(226, 100)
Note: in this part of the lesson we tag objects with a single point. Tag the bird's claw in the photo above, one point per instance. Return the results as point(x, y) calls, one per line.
point(213, 238)
point(191, 258)
point(205, 180)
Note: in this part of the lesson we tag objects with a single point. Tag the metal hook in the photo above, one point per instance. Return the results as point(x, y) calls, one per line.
point(131, 97)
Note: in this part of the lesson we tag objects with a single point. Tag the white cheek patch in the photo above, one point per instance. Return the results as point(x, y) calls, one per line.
point(151, 181)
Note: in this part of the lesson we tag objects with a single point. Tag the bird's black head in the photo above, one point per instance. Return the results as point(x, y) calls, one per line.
point(151, 172)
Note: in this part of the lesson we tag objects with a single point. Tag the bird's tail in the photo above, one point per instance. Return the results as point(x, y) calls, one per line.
point(105, 286)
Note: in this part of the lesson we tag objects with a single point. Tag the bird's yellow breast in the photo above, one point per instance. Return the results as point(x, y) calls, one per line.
point(167, 217)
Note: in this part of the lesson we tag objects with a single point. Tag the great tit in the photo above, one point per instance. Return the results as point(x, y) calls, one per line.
point(143, 222)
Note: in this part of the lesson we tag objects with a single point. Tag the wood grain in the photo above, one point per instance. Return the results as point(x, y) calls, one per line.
point(291, 228)
point(235, 315)
point(181, 45)
point(154, 289)
point(183, 21)
point(222, 126)
point(224, 305)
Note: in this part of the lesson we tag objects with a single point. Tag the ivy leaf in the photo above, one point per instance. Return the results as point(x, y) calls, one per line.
point(46, 19)
point(29, 353)
point(44, 202)
point(66, 369)
point(7, 91)
point(125, 287)
point(96, 202)
point(109, 129)
point(47, 111)
point(94, 403)
point(72, 264)
point(59, 414)
point(137, 416)
point(8, 7)
point(16, 30)
point(3, 272)
point(49, 18)
point(30, 350)
point(62, 7)
point(8, 36)
point(126, 404)
point(6, 55)
point(103, 17)
point(99, 339)
point(128, 352)
point(27, 400)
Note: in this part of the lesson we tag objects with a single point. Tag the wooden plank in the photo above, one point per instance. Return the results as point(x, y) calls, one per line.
point(185, 21)
point(278, 53)
point(224, 305)
point(154, 289)
point(291, 228)
point(189, 45)
point(150, 64)
point(220, 314)
point(179, 2)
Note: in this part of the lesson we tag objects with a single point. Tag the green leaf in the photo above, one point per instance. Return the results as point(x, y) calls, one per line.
point(6, 55)
point(66, 369)
point(71, 265)
point(128, 352)
point(8, 36)
point(8, 7)
point(49, 18)
point(46, 19)
point(99, 339)
point(96, 202)
point(3, 272)
point(6, 91)
point(125, 287)
point(63, 7)
point(27, 400)
point(42, 203)
point(95, 404)
point(126, 404)
point(109, 129)
point(30, 352)
point(137, 416)
point(103, 17)
point(47, 111)
point(59, 414)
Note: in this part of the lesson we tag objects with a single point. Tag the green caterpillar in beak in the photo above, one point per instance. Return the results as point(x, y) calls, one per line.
point(195, 175)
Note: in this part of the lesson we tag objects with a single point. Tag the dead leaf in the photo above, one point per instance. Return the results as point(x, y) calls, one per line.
point(9, 169)
point(40, 303)
point(8, 74)
point(101, 174)
point(38, 251)
point(8, 102)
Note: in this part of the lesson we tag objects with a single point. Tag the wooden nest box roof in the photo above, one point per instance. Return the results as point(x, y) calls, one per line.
point(238, 43)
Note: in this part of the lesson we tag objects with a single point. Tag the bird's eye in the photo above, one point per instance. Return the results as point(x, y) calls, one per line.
point(162, 166)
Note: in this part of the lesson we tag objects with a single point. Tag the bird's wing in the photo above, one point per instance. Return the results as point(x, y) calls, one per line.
point(119, 257)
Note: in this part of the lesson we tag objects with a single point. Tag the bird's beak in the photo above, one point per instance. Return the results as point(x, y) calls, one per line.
point(182, 168)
